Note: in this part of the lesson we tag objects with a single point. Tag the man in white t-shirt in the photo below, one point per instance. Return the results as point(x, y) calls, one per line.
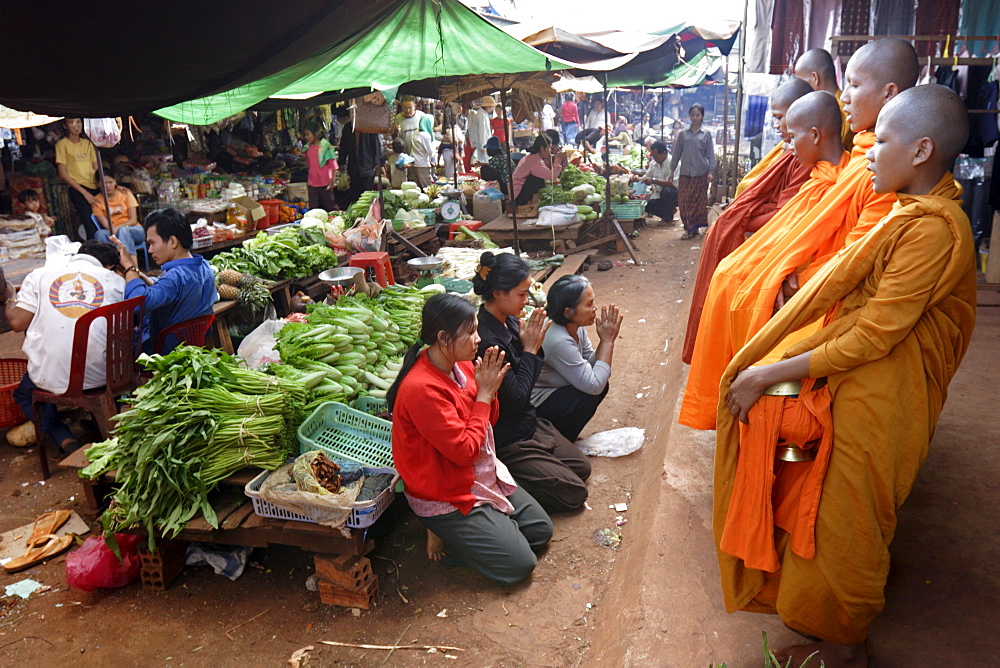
point(662, 203)
point(46, 308)
point(408, 122)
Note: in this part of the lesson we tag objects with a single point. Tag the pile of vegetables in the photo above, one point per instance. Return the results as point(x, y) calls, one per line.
point(636, 158)
point(393, 200)
point(350, 349)
point(290, 253)
point(410, 193)
point(572, 176)
point(199, 419)
point(553, 193)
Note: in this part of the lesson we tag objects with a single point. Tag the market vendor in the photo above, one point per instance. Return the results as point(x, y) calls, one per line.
point(544, 162)
point(76, 162)
point(47, 307)
point(590, 140)
point(574, 378)
point(407, 122)
point(661, 203)
point(497, 169)
point(442, 443)
point(321, 159)
point(543, 462)
point(123, 222)
point(185, 289)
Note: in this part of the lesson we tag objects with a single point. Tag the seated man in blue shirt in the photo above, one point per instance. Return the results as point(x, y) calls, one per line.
point(185, 290)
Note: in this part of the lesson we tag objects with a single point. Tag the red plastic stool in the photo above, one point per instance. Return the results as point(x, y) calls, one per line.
point(377, 262)
point(471, 225)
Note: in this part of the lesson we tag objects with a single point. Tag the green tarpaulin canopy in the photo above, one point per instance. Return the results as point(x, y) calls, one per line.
point(415, 39)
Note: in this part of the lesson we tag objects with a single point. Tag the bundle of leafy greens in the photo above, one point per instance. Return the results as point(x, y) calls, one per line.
point(198, 420)
point(290, 253)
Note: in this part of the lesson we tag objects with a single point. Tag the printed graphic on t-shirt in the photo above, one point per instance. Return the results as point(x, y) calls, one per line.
point(75, 294)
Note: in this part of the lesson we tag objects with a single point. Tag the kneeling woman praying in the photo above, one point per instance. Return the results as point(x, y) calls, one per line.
point(443, 408)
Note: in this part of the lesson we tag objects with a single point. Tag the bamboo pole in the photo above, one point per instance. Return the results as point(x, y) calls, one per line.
point(510, 172)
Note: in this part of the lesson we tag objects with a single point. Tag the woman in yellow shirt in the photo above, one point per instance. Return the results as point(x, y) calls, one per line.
point(76, 162)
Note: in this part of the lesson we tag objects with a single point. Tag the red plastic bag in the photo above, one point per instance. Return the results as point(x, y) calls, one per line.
point(94, 565)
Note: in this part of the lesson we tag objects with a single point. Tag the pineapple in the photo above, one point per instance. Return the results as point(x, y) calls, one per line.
point(255, 295)
point(246, 282)
point(231, 277)
point(227, 292)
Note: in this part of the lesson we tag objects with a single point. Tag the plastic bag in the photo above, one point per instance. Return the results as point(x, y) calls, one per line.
point(332, 510)
point(365, 237)
point(94, 565)
point(103, 132)
point(559, 215)
point(614, 442)
point(258, 348)
point(59, 248)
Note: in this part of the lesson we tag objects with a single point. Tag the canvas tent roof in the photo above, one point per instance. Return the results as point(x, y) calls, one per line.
point(417, 39)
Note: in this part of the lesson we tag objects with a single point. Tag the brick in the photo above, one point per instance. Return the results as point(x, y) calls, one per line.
point(331, 594)
point(346, 571)
point(159, 569)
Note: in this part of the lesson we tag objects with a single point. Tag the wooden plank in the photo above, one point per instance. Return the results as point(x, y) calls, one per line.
point(237, 517)
point(993, 264)
point(592, 244)
point(570, 266)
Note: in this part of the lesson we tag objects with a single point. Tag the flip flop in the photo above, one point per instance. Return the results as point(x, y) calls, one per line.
point(35, 555)
point(45, 525)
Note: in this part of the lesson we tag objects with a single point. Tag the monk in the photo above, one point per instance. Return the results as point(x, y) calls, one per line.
point(899, 309)
point(750, 210)
point(816, 68)
point(875, 74)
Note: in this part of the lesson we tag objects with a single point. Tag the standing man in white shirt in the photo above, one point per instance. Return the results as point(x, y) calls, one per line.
point(479, 129)
point(408, 122)
point(548, 116)
point(47, 307)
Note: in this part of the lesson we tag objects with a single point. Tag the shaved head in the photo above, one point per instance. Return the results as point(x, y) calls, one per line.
point(933, 111)
point(817, 62)
point(818, 109)
point(789, 92)
point(888, 61)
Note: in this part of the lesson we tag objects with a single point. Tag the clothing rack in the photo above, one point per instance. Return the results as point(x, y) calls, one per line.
point(948, 40)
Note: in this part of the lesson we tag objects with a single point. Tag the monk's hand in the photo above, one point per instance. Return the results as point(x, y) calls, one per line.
point(490, 371)
point(609, 323)
point(533, 331)
point(744, 393)
point(788, 289)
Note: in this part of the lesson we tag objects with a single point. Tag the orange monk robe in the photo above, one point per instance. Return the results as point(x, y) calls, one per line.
point(787, 244)
point(902, 307)
point(758, 170)
point(746, 215)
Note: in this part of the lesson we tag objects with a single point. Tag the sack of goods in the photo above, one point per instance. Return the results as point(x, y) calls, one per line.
point(20, 237)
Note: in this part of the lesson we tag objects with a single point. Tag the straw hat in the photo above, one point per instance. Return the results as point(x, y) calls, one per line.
point(487, 101)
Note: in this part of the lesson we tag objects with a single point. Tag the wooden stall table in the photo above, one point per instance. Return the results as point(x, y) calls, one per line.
point(218, 247)
point(501, 231)
point(239, 525)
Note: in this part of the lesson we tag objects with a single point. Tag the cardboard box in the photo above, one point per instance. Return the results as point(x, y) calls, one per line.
point(253, 210)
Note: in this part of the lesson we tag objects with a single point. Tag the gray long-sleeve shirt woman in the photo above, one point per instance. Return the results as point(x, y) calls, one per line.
point(569, 361)
point(695, 153)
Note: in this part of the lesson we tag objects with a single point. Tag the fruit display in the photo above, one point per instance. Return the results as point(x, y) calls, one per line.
point(242, 288)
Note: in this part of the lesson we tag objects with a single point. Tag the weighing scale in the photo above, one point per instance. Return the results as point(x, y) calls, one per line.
point(428, 268)
point(451, 211)
point(339, 278)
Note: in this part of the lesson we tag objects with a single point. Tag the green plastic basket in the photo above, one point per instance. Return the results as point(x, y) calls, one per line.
point(630, 210)
point(370, 405)
point(347, 433)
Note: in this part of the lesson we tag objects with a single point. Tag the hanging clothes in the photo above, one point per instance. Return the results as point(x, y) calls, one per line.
point(787, 29)
point(894, 17)
point(822, 23)
point(935, 18)
point(855, 19)
point(756, 109)
point(759, 44)
point(980, 18)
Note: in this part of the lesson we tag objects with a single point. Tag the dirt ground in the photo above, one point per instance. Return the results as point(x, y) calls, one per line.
point(655, 601)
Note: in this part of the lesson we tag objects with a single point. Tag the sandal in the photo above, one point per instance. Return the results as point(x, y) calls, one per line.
point(45, 525)
point(51, 546)
point(688, 235)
